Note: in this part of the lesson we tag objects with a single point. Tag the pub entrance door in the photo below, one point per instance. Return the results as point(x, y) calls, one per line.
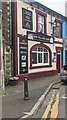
point(59, 60)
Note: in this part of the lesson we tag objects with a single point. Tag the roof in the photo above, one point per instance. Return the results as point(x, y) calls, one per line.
point(47, 10)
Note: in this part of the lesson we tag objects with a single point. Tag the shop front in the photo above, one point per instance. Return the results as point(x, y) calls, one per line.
point(35, 55)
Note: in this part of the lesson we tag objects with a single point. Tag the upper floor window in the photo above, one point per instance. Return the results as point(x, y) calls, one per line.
point(58, 29)
point(40, 21)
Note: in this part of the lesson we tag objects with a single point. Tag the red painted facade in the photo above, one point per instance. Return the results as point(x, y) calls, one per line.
point(38, 74)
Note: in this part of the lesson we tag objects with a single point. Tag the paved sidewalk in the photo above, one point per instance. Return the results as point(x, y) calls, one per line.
point(13, 103)
point(32, 84)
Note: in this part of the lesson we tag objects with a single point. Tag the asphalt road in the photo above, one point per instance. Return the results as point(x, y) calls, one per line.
point(13, 104)
point(46, 110)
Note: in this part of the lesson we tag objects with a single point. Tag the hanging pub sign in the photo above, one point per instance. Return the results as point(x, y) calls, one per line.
point(39, 37)
point(27, 19)
point(23, 55)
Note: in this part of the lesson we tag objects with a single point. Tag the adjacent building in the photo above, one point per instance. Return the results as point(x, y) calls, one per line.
point(65, 42)
point(6, 39)
point(65, 36)
point(1, 46)
point(37, 40)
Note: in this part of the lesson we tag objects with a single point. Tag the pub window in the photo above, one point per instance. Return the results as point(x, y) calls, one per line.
point(58, 29)
point(40, 56)
point(40, 21)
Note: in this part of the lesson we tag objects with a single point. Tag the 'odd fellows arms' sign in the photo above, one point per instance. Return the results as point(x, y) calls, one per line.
point(23, 55)
point(39, 37)
point(27, 19)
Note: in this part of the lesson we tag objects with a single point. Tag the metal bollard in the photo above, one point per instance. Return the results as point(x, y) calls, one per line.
point(26, 94)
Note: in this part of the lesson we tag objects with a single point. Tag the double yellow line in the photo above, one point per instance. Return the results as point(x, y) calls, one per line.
point(53, 108)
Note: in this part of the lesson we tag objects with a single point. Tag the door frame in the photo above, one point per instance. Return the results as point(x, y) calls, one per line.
point(61, 56)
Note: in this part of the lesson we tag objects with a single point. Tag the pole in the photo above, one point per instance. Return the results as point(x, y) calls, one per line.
point(26, 93)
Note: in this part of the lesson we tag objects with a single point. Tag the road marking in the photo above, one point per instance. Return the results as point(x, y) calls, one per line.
point(54, 110)
point(64, 96)
point(49, 106)
point(40, 101)
point(4, 93)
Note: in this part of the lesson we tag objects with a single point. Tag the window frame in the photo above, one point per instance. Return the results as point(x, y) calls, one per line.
point(41, 65)
point(41, 23)
point(42, 53)
point(38, 12)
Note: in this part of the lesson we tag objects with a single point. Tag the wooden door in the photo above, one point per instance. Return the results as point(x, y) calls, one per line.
point(58, 62)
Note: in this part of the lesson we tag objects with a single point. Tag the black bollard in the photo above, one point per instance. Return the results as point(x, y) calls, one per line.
point(26, 94)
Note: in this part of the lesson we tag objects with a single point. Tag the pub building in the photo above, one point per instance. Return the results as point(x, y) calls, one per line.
point(36, 40)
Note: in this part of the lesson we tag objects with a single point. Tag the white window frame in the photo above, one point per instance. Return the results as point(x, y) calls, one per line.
point(41, 64)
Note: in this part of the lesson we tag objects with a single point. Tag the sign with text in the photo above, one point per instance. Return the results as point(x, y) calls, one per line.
point(39, 37)
point(27, 19)
point(23, 55)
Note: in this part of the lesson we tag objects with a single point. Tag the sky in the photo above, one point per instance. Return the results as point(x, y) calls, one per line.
point(56, 5)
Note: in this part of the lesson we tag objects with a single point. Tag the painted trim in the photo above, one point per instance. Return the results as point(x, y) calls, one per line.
point(50, 56)
point(42, 66)
point(44, 15)
point(20, 35)
point(15, 39)
point(57, 42)
point(40, 12)
point(59, 48)
point(38, 74)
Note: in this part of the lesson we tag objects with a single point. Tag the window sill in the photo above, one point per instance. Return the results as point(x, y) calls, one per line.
point(35, 67)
